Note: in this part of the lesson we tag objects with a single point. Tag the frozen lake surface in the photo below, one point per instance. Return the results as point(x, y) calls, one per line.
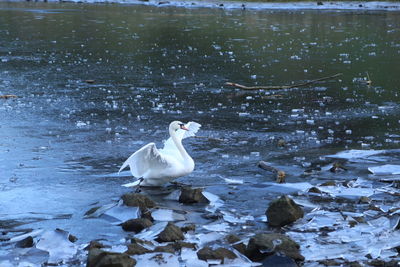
point(95, 82)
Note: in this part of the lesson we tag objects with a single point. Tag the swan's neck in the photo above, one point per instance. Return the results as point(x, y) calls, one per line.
point(179, 145)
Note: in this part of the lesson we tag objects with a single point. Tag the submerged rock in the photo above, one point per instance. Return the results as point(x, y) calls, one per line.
point(138, 200)
point(136, 225)
point(283, 211)
point(263, 245)
point(281, 261)
point(100, 258)
point(25, 243)
point(192, 195)
point(170, 233)
point(207, 253)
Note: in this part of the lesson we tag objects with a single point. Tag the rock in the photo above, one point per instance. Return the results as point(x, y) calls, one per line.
point(25, 243)
point(337, 167)
point(135, 240)
point(192, 195)
point(100, 258)
point(329, 183)
point(136, 225)
point(168, 249)
point(181, 244)
point(231, 238)
point(138, 200)
point(263, 245)
point(94, 244)
point(283, 211)
point(170, 233)
point(189, 227)
point(146, 214)
point(314, 190)
point(240, 247)
point(364, 200)
point(136, 249)
point(330, 262)
point(281, 261)
point(72, 238)
point(207, 253)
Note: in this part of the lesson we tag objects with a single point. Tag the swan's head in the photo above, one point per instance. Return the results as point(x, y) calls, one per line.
point(176, 125)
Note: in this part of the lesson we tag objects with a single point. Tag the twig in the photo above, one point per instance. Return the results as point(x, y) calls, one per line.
point(275, 87)
point(8, 96)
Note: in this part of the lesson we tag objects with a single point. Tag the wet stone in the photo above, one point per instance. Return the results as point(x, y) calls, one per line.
point(207, 253)
point(192, 195)
point(100, 258)
point(25, 243)
point(136, 249)
point(170, 233)
point(136, 225)
point(283, 211)
point(263, 245)
point(138, 200)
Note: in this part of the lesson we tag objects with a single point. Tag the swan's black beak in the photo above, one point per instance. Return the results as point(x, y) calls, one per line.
point(183, 127)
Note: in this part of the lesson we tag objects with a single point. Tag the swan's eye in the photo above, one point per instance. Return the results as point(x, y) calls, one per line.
point(181, 125)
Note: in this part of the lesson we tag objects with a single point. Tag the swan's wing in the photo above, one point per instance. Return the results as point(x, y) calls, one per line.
point(146, 158)
point(169, 146)
point(193, 129)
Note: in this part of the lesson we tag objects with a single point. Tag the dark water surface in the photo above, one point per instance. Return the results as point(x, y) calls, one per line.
point(63, 140)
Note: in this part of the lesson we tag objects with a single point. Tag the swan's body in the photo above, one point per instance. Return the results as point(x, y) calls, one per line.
point(157, 167)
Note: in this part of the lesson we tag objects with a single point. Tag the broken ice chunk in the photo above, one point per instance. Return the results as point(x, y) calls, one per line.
point(233, 181)
point(58, 245)
point(152, 232)
point(167, 215)
point(215, 201)
point(217, 227)
point(122, 213)
point(387, 169)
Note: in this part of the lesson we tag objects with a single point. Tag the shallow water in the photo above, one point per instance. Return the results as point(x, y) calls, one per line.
point(63, 139)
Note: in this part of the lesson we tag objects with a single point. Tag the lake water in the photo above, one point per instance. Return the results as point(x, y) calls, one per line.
point(63, 139)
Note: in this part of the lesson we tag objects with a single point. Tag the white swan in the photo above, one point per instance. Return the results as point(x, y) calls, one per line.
point(156, 167)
